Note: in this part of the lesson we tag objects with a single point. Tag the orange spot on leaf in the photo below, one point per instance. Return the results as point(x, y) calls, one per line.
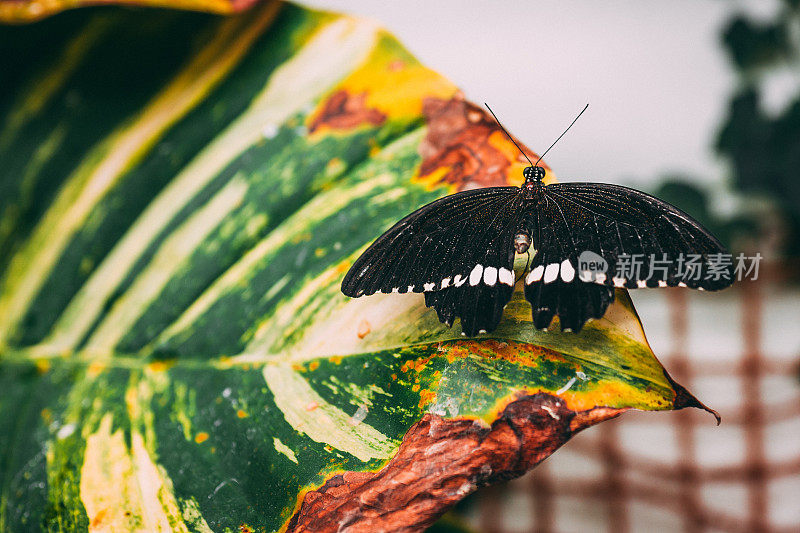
point(95, 369)
point(97, 521)
point(426, 397)
point(397, 65)
point(159, 366)
point(363, 329)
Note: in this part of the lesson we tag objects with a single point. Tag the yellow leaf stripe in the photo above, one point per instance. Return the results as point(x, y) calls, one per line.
point(171, 256)
point(334, 49)
point(107, 164)
point(284, 449)
point(38, 93)
point(307, 412)
point(319, 208)
point(122, 489)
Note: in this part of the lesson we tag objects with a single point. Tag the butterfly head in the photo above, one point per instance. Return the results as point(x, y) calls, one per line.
point(533, 174)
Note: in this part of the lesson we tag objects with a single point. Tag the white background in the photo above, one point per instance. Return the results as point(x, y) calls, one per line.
point(654, 74)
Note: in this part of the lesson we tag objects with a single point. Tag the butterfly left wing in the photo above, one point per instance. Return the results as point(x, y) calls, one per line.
point(459, 250)
point(617, 224)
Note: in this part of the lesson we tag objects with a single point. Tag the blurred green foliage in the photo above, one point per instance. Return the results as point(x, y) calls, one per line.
point(753, 44)
point(761, 148)
point(764, 149)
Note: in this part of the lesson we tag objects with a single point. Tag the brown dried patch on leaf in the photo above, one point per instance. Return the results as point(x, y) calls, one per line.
point(684, 399)
point(466, 141)
point(344, 111)
point(439, 462)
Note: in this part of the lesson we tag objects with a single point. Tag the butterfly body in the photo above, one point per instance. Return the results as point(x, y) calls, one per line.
point(460, 250)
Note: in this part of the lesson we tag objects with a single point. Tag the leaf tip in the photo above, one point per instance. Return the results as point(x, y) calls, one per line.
point(684, 399)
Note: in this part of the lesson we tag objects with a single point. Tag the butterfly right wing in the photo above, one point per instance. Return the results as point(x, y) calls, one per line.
point(458, 250)
point(614, 224)
point(618, 223)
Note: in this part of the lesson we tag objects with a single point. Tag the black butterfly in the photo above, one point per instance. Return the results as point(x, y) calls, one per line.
point(459, 250)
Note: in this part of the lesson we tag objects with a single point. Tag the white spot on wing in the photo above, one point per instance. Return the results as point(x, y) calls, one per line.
point(618, 282)
point(551, 272)
point(458, 280)
point(535, 275)
point(490, 276)
point(662, 283)
point(429, 286)
point(411, 288)
point(641, 284)
point(567, 272)
point(600, 277)
point(506, 276)
point(445, 283)
point(681, 284)
point(475, 275)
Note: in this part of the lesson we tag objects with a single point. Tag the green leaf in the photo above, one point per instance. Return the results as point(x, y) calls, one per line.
point(180, 197)
point(21, 11)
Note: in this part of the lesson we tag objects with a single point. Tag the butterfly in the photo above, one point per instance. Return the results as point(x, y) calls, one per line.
point(588, 239)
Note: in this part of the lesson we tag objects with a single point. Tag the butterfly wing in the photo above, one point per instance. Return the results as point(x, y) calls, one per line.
point(575, 301)
point(458, 250)
point(644, 242)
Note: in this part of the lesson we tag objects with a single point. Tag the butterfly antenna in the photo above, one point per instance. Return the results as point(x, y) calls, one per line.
point(508, 135)
point(565, 131)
